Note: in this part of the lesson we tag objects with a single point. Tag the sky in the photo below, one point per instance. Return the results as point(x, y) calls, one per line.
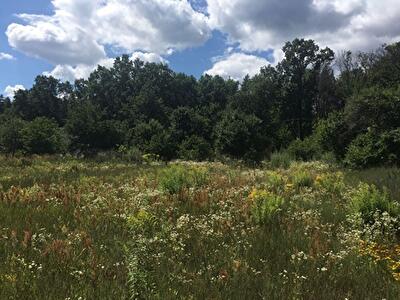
point(232, 38)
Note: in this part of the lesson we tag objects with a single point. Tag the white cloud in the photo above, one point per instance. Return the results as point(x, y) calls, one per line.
point(339, 24)
point(10, 90)
point(237, 66)
point(82, 71)
point(151, 25)
point(6, 56)
point(78, 31)
point(55, 39)
point(148, 57)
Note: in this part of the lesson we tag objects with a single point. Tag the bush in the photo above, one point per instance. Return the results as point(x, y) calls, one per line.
point(304, 150)
point(302, 179)
point(177, 178)
point(281, 160)
point(265, 206)
point(153, 137)
point(332, 135)
point(89, 131)
point(391, 142)
point(131, 154)
point(365, 151)
point(195, 148)
point(241, 136)
point(11, 135)
point(368, 200)
point(43, 136)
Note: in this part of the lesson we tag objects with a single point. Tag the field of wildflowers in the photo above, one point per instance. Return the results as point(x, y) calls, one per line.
point(79, 229)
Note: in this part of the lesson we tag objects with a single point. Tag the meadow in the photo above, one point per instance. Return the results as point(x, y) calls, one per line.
point(108, 229)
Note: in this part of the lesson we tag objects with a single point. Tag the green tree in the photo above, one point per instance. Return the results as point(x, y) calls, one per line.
point(240, 135)
point(88, 130)
point(43, 136)
point(5, 103)
point(47, 98)
point(300, 68)
point(153, 138)
point(11, 134)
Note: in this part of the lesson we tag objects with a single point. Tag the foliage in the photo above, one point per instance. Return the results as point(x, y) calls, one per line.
point(371, 149)
point(130, 154)
point(241, 136)
point(176, 178)
point(300, 103)
point(281, 159)
point(43, 136)
point(332, 134)
point(265, 206)
point(152, 137)
point(11, 135)
point(72, 228)
point(362, 110)
point(195, 148)
point(368, 200)
point(303, 179)
point(305, 150)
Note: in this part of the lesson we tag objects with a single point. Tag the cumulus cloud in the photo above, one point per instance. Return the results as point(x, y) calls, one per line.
point(148, 57)
point(79, 30)
point(55, 39)
point(237, 66)
point(76, 35)
point(10, 90)
point(82, 71)
point(151, 25)
point(340, 24)
point(6, 56)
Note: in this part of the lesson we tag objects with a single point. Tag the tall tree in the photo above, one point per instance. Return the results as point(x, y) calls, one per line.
point(302, 63)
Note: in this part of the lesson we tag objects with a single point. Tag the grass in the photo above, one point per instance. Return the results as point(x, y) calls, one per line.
point(383, 178)
point(81, 229)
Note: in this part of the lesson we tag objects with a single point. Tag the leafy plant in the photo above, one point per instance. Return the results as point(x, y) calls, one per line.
point(303, 179)
point(176, 178)
point(281, 159)
point(265, 206)
point(367, 200)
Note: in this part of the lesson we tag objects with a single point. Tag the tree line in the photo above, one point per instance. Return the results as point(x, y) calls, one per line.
point(311, 103)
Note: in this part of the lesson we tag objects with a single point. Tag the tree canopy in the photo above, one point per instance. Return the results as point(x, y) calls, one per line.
point(311, 99)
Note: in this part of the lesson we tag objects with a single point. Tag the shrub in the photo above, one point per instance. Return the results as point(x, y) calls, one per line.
point(365, 151)
point(329, 158)
point(89, 131)
point(176, 178)
point(242, 136)
point(332, 182)
point(195, 148)
point(11, 137)
point(303, 179)
point(131, 154)
point(332, 135)
point(281, 160)
point(275, 180)
point(153, 137)
point(265, 206)
point(368, 200)
point(43, 136)
point(391, 142)
point(304, 150)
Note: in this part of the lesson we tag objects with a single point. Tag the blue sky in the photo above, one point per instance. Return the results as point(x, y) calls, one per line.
point(69, 38)
point(23, 69)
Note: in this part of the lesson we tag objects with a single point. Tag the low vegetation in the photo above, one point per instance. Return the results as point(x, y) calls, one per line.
point(99, 229)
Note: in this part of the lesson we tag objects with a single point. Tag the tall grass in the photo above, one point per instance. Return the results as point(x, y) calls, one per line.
point(80, 229)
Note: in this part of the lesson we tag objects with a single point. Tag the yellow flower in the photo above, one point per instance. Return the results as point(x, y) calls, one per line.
point(10, 278)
